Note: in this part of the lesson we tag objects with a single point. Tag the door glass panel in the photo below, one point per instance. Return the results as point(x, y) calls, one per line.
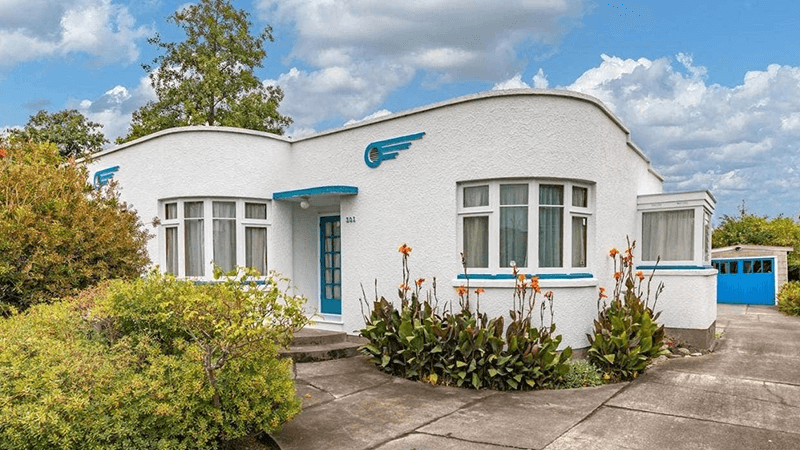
point(734, 267)
point(723, 268)
point(747, 267)
point(337, 291)
point(328, 291)
point(767, 266)
point(756, 266)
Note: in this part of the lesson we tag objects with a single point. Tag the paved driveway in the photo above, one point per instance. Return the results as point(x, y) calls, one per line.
point(744, 395)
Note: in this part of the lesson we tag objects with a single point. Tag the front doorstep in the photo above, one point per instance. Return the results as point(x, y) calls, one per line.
point(700, 338)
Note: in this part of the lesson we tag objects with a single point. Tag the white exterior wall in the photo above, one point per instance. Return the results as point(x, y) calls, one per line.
point(684, 302)
point(411, 199)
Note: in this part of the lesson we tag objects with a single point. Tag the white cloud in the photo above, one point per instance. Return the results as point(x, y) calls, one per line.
point(113, 109)
point(357, 53)
point(740, 142)
point(33, 29)
point(539, 81)
point(375, 115)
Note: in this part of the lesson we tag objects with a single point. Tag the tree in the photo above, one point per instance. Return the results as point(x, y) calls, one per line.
point(69, 130)
point(57, 233)
point(208, 78)
point(747, 228)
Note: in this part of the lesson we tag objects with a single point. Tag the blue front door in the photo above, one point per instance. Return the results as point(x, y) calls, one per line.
point(750, 281)
point(330, 264)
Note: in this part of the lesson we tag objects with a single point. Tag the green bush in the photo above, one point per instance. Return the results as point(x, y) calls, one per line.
point(626, 335)
point(582, 373)
point(150, 363)
point(57, 233)
point(465, 348)
point(789, 298)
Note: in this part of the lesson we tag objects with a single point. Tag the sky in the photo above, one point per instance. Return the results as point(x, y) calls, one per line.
point(710, 90)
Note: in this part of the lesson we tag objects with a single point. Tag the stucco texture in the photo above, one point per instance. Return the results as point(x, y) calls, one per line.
point(524, 134)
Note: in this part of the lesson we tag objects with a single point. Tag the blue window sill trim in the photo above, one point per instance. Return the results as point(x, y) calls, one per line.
point(258, 282)
point(509, 276)
point(673, 267)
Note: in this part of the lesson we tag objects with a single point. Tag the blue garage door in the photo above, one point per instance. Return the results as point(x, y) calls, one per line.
point(750, 281)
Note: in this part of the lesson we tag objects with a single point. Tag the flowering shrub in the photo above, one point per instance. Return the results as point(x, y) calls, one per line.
point(57, 233)
point(418, 342)
point(150, 363)
point(626, 335)
point(789, 298)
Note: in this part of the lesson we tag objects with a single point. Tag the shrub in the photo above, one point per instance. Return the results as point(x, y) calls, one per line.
point(789, 298)
point(582, 373)
point(57, 233)
point(150, 363)
point(465, 348)
point(626, 335)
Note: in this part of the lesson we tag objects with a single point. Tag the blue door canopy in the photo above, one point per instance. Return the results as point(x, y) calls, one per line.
point(746, 280)
point(299, 194)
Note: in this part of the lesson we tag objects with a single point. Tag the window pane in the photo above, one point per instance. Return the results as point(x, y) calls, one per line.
point(747, 267)
point(551, 237)
point(255, 211)
point(513, 194)
point(476, 196)
point(171, 244)
point(756, 266)
point(579, 197)
point(476, 241)
point(579, 241)
point(734, 267)
point(256, 248)
point(224, 209)
point(514, 235)
point(767, 266)
point(193, 209)
point(170, 211)
point(193, 246)
point(706, 237)
point(551, 194)
point(669, 234)
point(224, 242)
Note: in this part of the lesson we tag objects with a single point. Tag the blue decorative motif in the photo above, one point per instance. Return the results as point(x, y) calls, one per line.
point(380, 151)
point(102, 177)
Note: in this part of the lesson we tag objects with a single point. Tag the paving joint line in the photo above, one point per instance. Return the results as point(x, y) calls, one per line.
point(718, 422)
point(465, 405)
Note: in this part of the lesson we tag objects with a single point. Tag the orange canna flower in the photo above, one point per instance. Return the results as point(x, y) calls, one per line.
point(535, 285)
point(461, 291)
point(420, 281)
point(521, 278)
point(549, 294)
point(640, 275)
point(480, 291)
point(3, 153)
point(404, 249)
point(617, 275)
point(613, 253)
point(629, 253)
point(403, 287)
point(603, 293)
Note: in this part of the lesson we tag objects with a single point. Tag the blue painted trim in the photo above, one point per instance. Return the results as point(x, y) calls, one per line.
point(673, 267)
point(244, 283)
point(102, 177)
point(388, 148)
point(508, 276)
point(319, 190)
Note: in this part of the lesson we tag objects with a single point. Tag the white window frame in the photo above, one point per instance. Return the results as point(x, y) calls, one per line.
point(208, 232)
point(493, 212)
point(702, 202)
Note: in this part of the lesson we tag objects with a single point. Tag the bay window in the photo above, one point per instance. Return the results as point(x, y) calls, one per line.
point(676, 229)
point(237, 235)
point(527, 223)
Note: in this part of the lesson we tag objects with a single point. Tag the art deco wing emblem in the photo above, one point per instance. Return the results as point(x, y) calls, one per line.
point(379, 151)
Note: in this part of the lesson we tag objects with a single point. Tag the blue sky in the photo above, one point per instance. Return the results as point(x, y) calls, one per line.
point(710, 90)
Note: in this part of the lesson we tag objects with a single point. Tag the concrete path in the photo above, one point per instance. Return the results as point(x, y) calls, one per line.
point(744, 395)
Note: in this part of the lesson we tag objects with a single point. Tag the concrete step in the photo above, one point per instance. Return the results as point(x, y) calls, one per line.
point(313, 336)
point(313, 353)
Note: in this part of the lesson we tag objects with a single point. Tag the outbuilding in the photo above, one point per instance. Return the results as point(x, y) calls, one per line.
point(547, 180)
point(750, 274)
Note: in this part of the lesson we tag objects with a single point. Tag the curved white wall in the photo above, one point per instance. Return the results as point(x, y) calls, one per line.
point(411, 199)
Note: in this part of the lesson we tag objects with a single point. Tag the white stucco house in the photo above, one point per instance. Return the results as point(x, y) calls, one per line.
point(549, 180)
